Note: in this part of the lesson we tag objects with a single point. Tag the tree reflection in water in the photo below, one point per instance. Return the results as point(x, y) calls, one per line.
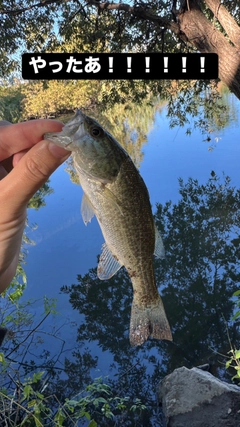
point(201, 234)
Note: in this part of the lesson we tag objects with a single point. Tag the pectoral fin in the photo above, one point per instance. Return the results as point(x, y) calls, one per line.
point(86, 209)
point(113, 199)
point(108, 264)
point(159, 251)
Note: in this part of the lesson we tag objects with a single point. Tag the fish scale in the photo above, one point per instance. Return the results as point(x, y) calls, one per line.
point(115, 192)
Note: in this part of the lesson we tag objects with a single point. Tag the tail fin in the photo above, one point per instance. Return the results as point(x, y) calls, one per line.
point(149, 321)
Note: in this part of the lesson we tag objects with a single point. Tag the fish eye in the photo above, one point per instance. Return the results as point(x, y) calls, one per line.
point(96, 131)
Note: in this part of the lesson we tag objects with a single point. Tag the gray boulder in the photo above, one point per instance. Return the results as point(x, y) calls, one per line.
point(195, 398)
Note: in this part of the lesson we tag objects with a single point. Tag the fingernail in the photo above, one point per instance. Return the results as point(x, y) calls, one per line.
point(58, 152)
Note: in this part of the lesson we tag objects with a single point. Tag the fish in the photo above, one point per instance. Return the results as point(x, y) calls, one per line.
point(114, 191)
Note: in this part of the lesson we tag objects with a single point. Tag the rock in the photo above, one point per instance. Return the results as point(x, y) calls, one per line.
point(195, 398)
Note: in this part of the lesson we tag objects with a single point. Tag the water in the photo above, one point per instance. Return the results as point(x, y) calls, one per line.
point(93, 320)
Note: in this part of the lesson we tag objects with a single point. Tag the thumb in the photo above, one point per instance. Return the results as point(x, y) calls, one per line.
point(30, 173)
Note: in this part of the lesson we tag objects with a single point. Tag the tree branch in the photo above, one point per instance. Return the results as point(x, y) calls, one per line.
point(28, 335)
point(226, 20)
point(139, 12)
point(25, 9)
point(202, 34)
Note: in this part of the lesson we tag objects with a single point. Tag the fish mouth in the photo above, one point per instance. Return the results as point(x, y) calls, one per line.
point(68, 144)
point(66, 137)
point(59, 139)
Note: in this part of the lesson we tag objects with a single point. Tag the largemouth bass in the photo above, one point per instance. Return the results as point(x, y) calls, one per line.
point(115, 192)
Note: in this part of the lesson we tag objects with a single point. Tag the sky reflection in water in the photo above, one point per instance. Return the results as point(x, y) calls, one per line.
point(65, 249)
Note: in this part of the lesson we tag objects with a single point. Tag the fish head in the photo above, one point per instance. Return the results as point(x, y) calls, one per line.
point(95, 150)
point(82, 134)
point(70, 133)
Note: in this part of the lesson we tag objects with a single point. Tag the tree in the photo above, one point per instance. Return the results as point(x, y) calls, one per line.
point(154, 25)
point(201, 233)
point(201, 272)
point(10, 102)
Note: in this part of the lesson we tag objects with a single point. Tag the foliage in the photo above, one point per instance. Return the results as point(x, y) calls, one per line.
point(234, 358)
point(135, 26)
point(94, 29)
point(56, 97)
point(130, 123)
point(83, 29)
point(43, 99)
point(11, 97)
point(237, 305)
point(27, 401)
point(31, 407)
point(38, 199)
point(115, 103)
point(33, 400)
point(210, 109)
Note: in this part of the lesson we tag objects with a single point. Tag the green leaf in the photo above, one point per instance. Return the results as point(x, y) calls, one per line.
point(39, 395)
point(50, 305)
point(27, 391)
point(38, 422)
point(37, 376)
point(109, 414)
point(24, 278)
point(31, 403)
point(237, 354)
point(99, 400)
point(72, 402)
point(121, 406)
point(236, 315)
point(59, 418)
point(92, 423)
point(228, 363)
point(237, 376)
point(2, 359)
point(235, 294)
point(87, 415)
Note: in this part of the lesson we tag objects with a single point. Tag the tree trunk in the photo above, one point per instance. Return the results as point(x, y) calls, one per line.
point(198, 31)
point(226, 20)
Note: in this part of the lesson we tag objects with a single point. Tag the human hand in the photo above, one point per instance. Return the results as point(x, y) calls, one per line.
point(26, 162)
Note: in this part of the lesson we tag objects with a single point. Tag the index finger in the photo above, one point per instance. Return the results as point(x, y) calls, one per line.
point(21, 136)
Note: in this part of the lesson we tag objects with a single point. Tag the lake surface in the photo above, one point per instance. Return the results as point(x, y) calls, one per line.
point(90, 334)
